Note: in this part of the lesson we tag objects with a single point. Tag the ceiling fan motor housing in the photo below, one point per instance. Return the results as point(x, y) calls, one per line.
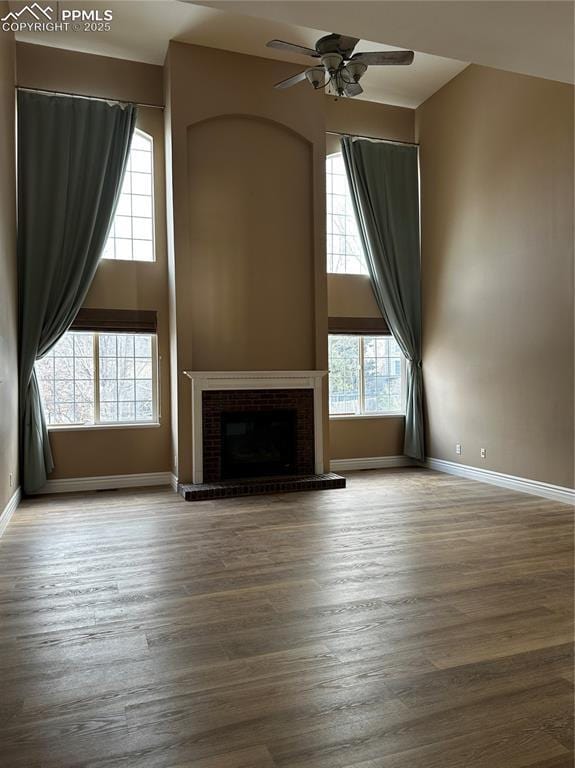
point(336, 44)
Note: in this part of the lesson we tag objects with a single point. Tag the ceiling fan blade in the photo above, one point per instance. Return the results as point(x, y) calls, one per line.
point(281, 45)
point(352, 89)
point(291, 80)
point(376, 58)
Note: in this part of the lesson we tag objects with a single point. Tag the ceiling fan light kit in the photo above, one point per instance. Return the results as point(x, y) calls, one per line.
point(332, 62)
point(356, 69)
point(340, 69)
point(316, 76)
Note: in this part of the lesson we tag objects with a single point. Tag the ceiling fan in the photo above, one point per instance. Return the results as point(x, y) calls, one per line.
point(339, 70)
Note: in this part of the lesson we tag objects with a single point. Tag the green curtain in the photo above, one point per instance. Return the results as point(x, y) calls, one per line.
point(384, 184)
point(72, 154)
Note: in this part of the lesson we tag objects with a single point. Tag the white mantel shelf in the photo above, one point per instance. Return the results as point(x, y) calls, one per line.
point(218, 375)
point(221, 380)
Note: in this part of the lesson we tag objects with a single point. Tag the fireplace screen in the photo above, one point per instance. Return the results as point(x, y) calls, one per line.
point(258, 443)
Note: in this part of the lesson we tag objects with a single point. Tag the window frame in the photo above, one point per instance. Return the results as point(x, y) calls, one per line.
point(97, 423)
point(150, 138)
point(362, 413)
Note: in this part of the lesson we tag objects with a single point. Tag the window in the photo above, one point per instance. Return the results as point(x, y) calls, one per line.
point(100, 378)
point(344, 250)
point(366, 375)
point(131, 237)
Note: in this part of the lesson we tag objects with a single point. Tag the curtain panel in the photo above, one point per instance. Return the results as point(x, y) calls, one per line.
point(72, 155)
point(384, 184)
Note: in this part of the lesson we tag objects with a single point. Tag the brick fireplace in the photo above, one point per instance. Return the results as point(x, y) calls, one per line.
point(220, 397)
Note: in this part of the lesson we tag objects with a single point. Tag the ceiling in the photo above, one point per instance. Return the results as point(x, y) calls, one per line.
point(528, 36)
point(141, 30)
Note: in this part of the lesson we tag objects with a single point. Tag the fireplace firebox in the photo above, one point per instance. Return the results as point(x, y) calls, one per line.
point(258, 444)
point(257, 433)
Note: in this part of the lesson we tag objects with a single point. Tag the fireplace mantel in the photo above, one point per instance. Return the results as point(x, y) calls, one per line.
point(235, 380)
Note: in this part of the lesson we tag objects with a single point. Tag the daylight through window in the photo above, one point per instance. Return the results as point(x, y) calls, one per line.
point(131, 237)
point(99, 378)
point(366, 375)
point(344, 250)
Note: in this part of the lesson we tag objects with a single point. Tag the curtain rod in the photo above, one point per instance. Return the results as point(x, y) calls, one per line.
point(373, 138)
point(84, 96)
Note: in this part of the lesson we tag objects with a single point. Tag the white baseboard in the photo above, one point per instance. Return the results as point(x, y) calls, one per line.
point(372, 462)
point(9, 509)
point(106, 482)
point(111, 482)
point(522, 484)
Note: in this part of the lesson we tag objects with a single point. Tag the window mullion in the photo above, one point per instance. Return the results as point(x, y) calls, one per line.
point(96, 348)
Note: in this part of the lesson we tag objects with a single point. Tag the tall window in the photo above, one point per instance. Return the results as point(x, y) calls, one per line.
point(366, 376)
point(99, 378)
point(344, 250)
point(131, 237)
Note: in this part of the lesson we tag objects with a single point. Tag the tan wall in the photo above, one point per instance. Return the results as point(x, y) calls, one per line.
point(117, 284)
point(8, 286)
point(366, 118)
point(360, 438)
point(497, 256)
point(249, 195)
point(53, 69)
point(351, 295)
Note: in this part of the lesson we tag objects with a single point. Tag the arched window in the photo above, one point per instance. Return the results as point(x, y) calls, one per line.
point(131, 237)
point(344, 250)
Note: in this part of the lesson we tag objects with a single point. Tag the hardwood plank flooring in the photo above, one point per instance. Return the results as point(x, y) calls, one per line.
point(414, 620)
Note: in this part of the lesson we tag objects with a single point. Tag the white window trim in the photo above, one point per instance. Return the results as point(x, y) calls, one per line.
point(362, 414)
point(154, 260)
point(352, 416)
point(98, 425)
point(113, 425)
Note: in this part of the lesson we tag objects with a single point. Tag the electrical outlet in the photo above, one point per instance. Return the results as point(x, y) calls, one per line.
point(483, 452)
point(458, 449)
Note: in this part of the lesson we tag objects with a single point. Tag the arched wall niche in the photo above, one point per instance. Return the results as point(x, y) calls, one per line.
point(250, 255)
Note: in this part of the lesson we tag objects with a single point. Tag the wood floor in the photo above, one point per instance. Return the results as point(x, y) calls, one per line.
point(414, 620)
